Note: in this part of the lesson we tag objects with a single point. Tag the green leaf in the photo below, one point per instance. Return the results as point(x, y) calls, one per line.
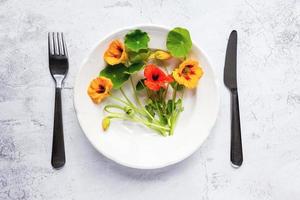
point(116, 73)
point(179, 42)
point(134, 68)
point(139, 56)
point(140, 85)
point(136, 40)
point(163, 119)
point(169, 106)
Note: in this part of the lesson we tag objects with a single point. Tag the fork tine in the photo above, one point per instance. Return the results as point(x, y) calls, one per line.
point(58, 44)
point(64, 46)
point(50, 44)
point(55, 46)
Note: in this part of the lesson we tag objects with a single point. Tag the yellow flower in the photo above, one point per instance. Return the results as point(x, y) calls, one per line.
point(115, 53)
point(160, 55)
point(99, 89)
point(188, 73)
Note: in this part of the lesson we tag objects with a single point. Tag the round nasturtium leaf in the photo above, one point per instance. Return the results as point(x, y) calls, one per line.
point(136, 40)
point(139, 56)
point(179, 42)
point(135, 68)
point(116, 73)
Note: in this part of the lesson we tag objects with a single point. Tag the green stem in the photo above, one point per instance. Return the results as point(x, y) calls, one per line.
point(166, 91)
point(128, 103)
point(146, 111)
point(173, 122)
point(182, 93)
point(174, 96)
point(125, 96)
point(156, 126)
point(118, 99)
point(134, 92)
point(174, 119)
point(134, 119)
point(107, 107)
point(116, 116)
point(138, 100)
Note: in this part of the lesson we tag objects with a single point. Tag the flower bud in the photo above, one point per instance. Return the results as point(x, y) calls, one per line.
point(128, 110)
point(105, 123)
point(160, 55)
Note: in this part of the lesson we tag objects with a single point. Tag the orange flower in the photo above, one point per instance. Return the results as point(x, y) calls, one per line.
point(155, 77)
point(99, 89)
point(115, 53)
point(188, 73)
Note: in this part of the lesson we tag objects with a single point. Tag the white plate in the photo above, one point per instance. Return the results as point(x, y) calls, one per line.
point(133, 145)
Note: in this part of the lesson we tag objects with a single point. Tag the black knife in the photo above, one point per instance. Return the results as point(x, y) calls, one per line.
point(230, 80)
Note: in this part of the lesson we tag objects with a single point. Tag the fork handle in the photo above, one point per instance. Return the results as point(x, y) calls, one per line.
point(58, 149)
point(236, 152)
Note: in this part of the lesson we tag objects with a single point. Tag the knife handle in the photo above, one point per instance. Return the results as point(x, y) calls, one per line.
point(236, 152)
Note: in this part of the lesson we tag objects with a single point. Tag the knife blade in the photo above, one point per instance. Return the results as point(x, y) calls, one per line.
point(230, 81)
point(230, 62)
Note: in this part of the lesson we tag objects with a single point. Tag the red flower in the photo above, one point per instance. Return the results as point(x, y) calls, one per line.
point(156, 78)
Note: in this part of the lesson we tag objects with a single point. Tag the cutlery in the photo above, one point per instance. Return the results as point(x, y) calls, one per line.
point(230, 80)
point(58, 65)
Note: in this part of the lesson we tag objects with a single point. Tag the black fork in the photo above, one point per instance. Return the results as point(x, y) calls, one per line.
point(58, 65)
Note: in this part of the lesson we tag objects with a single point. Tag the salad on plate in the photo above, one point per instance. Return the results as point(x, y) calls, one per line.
point(158, 78)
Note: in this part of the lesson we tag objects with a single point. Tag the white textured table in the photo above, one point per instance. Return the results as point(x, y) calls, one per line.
point(269, 89)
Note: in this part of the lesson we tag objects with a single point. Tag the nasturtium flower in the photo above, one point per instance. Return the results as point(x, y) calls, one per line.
point(155, 77)
point(115, 53)
point(99, 89)
point(188, 73)
point(160, 55)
